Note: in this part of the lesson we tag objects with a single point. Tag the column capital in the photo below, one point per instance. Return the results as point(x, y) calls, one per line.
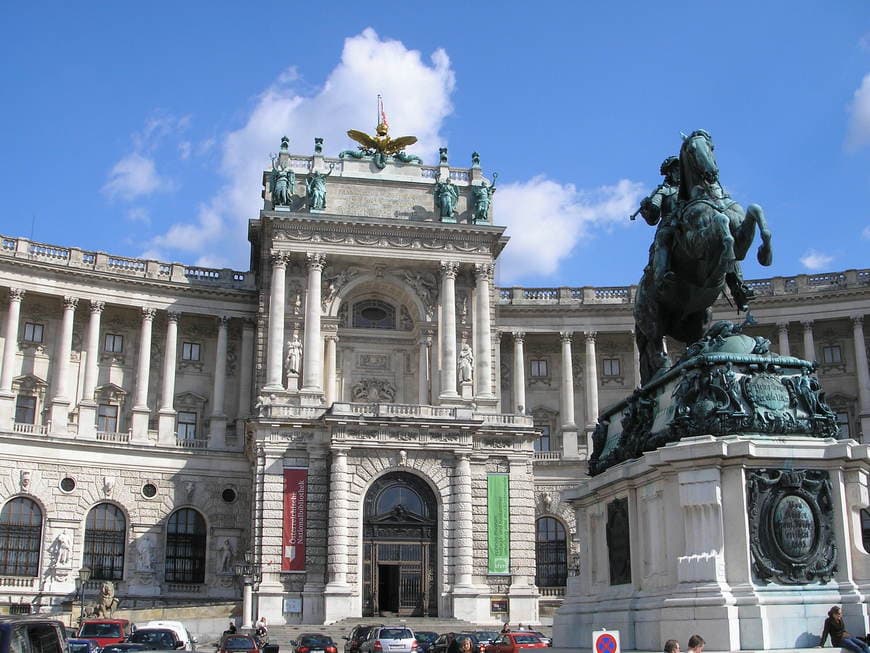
point(173, 316)
point(462, 456)
point(249, 323)
point(148, 313)
point(857, 320)
point(449, 269)
point(782, 326)
point(70, 302)
point(425, 339)
point(590, 335)
point(223, 321)
point(565, 336)
point(331, 336)
point(96, 306)
point(279, 259)
point(483, 271)
point(315, 260)
point(807, 324)
point(16, 294)
point(338, 453)
point(519, 336)
point(498, 335)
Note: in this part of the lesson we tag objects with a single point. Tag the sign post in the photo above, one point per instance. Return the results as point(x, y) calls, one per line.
point(605, 641)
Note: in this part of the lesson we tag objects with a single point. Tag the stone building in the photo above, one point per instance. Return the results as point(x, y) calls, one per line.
point(363, 413)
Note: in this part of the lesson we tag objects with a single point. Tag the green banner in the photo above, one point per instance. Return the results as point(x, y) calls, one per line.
point(498, 520)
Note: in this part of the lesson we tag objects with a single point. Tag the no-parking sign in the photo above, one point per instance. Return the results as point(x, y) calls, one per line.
point(605, 641)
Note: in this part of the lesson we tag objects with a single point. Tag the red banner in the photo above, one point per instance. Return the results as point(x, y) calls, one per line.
point(295, 497)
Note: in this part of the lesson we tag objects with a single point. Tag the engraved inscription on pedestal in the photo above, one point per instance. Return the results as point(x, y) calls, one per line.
point(618, 542)
point(791, 531)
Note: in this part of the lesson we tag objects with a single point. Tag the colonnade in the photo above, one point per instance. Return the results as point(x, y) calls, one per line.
point(62, 400)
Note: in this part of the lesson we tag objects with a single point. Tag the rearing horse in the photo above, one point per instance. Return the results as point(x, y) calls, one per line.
point(712, 234)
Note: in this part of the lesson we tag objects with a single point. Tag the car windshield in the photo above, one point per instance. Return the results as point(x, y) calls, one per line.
point(100, 630)
point(487, 634)
point(395, 633)
point(316, 640)
point(239, 642)
point(78, 647)
point(526, 639)
point(162, 637)
point(426, 636)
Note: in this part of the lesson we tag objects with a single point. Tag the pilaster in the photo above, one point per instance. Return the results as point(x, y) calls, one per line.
point(60, 403)
point(141, 411)
point(166, 414)
point(447, 330)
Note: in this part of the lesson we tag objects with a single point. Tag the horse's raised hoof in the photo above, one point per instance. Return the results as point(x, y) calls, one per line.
point(765, 254)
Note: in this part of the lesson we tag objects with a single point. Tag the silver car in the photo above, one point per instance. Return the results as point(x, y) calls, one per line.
point(390, 639)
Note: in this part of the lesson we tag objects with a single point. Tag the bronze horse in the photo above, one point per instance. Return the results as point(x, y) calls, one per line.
point(712, 235)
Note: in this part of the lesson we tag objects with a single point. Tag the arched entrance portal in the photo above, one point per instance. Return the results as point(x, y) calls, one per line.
point(399, 547)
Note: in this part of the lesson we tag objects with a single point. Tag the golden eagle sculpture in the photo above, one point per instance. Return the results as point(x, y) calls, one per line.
point(380, 146)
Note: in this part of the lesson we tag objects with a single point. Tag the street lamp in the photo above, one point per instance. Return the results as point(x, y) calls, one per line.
point(83, 577)
point(251, 575)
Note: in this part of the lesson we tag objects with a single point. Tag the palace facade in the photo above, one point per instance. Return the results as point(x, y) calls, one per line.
point(363, 414)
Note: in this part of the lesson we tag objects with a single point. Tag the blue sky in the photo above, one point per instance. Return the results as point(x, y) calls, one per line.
point(138, 129)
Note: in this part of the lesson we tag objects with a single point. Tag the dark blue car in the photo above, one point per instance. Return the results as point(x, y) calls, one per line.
point(77, 645)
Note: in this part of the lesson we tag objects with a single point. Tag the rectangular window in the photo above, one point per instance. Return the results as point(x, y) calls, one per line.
point(538, 368)
point(832, 354)
point(190, 351)
point(186, 428)
point(33, 332)
point(113, 343)
point(107, 418)
point(843, 423)
point(25, 410)
point(611, 367)
point(543, 441)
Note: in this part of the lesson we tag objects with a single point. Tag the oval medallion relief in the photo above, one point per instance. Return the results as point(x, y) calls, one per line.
point(794, 526)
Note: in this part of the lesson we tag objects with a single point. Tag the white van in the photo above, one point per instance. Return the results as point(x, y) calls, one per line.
point(178, 628)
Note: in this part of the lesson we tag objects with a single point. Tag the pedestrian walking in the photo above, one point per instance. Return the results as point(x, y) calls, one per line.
point(696, 644)
point(672, 646)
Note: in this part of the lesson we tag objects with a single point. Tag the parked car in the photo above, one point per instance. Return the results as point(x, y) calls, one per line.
point(484, 638)
point(389, 639)
point(105, 631)
point(515, 641)
point(357, 636)
point(31, 633)
point(425, 639)
point(314, 643)
point(77, 645)
point(178, 628)
point(156, 638)
point(123, 647)
point(547, 640)
point(442, 644)
point(237, 643)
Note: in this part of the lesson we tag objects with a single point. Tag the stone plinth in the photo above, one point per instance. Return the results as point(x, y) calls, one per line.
point(745, 539)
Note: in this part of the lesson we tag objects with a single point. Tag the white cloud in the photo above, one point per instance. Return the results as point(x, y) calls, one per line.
point(134, 176)
point(814, 260)
point(546, 220)
point(865, 234)
point(859, 122)
point(417, 100)
point(139, 214)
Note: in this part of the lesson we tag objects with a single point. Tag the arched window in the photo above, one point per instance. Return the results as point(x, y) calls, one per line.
point(20, 537)
point(185, 547)
point(105, 537)
point(551, 553)
point(374, 314)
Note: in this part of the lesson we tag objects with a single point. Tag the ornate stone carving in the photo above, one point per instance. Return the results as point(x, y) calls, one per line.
point(108, 485)
point(449, 269)
point(70, 302)
point(145, 555)
point(24, 480)
point(60, 550)
point(16, 294)
point(373, 390)
point(791, 526)
point(315, 260)
point(333, 283)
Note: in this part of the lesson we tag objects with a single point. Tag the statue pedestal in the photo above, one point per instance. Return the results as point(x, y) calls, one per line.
point(690, 538)
point(466, 391)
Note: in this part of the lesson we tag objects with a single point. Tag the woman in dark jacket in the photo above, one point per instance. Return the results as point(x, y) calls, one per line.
point(835, 627)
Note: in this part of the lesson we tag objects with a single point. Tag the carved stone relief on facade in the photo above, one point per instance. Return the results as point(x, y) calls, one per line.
point(372, 390)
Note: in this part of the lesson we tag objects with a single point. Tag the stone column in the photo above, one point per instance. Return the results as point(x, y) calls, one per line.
point(10, 348)
point(482, 334)
point(863, 376)
point(88, 404)
point(312, 352)
point(246, 367)
point(141, 412)
point(218, 430)
point(591, 387)
point(782, 331)
point(423, 345)
point(569, 424)
point(464, 522)
point(809, 343)
point(166, 414)
point(519, 374)
point(447, 329)
point(329, 390)
point(337, 594)
point(522, 593)
point(635, 360)
point(60, 402)
point(275, 343)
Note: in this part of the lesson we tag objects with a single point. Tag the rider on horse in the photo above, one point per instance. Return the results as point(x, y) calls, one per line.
point(660, 208)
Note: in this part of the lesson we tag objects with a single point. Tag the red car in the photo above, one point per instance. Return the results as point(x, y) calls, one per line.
point(513, 642)
point(105, 631)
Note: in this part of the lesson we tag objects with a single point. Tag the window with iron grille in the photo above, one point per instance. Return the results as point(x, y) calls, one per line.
point(33, 332)
point(543, 442)
point(185, 547)
point(25, 410)
point(113, 343)
point(832, 354)
point(20, 536)
point(551, 553)
point(105, 535)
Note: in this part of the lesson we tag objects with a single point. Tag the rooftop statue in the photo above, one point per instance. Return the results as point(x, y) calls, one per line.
point(283, 177)
point(315, 187)
point(446, 195)
point(380, 146)
point(482, 199)
point(703, 235)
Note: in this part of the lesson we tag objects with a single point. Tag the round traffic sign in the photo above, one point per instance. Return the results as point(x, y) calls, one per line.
point(605, 644)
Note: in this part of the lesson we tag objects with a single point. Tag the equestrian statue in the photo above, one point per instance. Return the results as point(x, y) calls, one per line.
point(702, 235)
